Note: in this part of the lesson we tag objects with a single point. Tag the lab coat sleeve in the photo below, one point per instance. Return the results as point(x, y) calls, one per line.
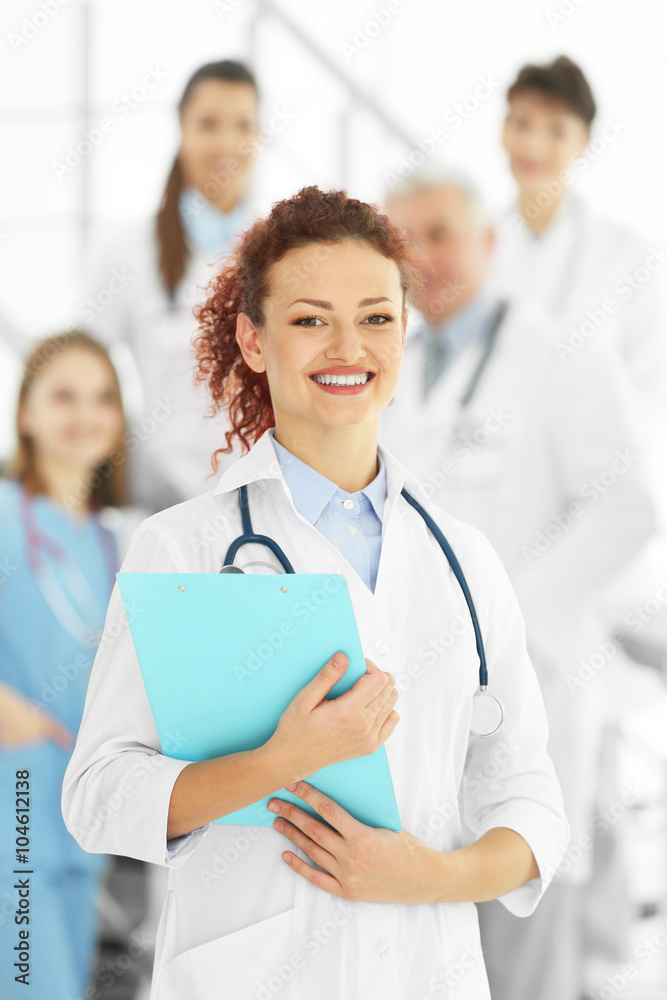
point(509, 779)
point(641, 317)
point(118, 783)
point(108, 302)
point(607, 509)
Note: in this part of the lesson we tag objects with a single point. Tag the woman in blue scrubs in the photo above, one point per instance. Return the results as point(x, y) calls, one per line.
point(58, 566)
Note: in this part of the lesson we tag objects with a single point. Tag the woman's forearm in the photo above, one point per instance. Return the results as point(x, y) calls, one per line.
point(208, 789)
point(498, 862)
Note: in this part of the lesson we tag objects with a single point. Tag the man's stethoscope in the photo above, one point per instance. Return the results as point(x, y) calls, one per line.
point(488, 712)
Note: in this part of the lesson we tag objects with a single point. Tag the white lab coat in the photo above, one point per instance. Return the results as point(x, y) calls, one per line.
point(237, 921)
point(582, 269)
point(171, 438)
point(604, 282)
point(535, 434)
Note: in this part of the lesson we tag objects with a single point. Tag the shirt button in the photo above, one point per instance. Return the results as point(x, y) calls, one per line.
point(348, 504)
point(382, 946)
point(382, 646)
point(351, 529)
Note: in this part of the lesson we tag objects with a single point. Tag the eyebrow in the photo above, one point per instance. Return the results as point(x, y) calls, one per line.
point(327, 305)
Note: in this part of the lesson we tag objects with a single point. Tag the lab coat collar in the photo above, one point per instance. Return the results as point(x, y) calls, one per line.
point(261, 462)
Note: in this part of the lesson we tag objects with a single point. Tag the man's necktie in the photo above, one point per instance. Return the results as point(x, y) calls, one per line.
point(435, 358)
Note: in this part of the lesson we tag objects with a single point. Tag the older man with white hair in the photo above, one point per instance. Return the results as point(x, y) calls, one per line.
point(544, 455)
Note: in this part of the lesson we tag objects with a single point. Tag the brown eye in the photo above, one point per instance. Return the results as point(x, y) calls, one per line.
point(380, 316)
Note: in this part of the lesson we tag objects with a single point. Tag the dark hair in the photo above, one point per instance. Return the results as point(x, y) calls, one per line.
point(309, 217)
point(106, 487)
point(561, 80)
point(173, 251)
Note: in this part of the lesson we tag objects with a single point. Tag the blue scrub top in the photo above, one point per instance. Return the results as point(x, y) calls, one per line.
point(39, 658)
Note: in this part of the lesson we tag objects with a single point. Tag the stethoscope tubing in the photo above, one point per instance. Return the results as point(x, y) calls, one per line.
point(249, 537)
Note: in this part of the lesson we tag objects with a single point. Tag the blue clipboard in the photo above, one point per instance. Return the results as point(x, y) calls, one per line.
point(222, 655)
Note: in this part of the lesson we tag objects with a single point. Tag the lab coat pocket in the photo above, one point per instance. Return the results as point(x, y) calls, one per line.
point(253, 962)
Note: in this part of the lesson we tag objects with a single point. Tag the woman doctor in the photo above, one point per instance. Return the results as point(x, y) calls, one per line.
point(314, 291)
point(601, 278)
point(144, 284)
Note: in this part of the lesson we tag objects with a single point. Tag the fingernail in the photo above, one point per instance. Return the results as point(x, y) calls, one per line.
point(273, 806)
point(291, 787)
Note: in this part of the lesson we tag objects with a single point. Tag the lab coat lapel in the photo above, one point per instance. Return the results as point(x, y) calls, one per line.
point(306, 548)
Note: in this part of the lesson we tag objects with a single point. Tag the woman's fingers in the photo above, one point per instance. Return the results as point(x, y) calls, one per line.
point(54, 730)
point(382, 704)
point(388, 726)
point(316, 690)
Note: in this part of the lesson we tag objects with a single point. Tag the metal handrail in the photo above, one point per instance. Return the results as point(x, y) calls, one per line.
point(354, 90)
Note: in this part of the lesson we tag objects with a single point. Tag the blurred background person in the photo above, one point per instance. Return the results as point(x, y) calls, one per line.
point(553, 245)
point(505, 436)
point(604, 280)
point(59, 563)
point(160, 267)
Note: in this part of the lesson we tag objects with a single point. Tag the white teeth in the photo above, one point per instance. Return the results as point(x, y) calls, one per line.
point(342, 379)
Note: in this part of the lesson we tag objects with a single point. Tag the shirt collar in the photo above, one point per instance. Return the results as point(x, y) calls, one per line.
point(261, 463)
point(207, 228)
point(312, 492)
point(464, 325)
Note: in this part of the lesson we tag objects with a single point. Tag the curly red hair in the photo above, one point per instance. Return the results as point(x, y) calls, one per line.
point(310, 216)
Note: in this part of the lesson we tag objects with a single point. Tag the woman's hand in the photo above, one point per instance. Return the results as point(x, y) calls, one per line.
point(360, 862)
point(22, 723)
point(314, 732)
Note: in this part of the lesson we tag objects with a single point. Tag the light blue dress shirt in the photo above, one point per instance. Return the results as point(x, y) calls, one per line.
point(445, 341)
point(351, 521)
point(207, 228)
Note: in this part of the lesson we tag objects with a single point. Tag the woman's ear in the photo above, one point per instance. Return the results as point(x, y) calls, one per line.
point(247, 337)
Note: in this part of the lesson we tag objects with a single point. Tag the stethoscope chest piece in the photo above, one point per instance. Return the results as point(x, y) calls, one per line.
point(487, 714)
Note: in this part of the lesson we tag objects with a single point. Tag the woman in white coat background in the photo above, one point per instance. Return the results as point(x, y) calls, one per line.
point(152, 274)
point(607, 283)
point(601, 278)
point(604, 280)
point(318, 290)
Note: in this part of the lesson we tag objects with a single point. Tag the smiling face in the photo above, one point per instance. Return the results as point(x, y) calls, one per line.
point(72, 412)
point(219, 128)
point(541, 137)
point(334, 314)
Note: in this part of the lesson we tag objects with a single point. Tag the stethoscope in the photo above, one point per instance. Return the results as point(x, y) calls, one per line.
point(463, 427)
point(77, 625)
point(488, 712)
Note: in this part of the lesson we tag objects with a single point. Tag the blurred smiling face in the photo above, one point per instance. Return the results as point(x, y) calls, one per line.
point(332, 341)
point(542, 138)
point(219, 125)
point(72, 412)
